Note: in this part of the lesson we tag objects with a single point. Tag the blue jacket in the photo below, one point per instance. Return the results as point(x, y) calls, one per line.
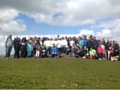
point(29, 47)
point(85, 42)
point(54, 49)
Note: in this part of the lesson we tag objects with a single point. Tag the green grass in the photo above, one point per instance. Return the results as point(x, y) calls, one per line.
point(59, 73)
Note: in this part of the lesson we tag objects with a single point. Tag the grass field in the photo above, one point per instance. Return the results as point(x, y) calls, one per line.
point(59, 73)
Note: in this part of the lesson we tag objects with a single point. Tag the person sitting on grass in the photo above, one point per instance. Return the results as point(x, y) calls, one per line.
point(79, 52)
point(44, 51)
point(74, 48)
point(67, 50)
point(29, 49)
point(53, 51)
point(82, 52)
point(92, 53)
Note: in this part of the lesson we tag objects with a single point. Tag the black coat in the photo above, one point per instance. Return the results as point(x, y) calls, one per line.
point(95, 42)
point(107, 45)
point(116, 49)
point(90, 44)
point(16, 44)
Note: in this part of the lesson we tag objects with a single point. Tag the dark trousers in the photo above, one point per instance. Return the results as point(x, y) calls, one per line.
point(116, 53)
point(53, 55)
point(16, 54)
point(23, 53)
point(100, 55)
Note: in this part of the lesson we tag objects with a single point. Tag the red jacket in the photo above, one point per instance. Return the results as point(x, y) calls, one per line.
point(100, 50)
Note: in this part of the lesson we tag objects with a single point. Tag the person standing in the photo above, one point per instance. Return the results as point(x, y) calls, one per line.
point(16, 43)
point(8, 46)
point(48, 44)
point(90, 43)
point(38, 51)
point(95, 43)
point(116, 49)
point(80, 42)
point(23, 47)
point(29, 49)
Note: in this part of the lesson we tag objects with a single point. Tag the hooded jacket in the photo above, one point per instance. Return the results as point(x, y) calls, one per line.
point(9, 42)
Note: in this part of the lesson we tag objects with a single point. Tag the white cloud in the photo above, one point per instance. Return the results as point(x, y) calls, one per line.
point(2, 45)
point(109, 23)
point(86, 32)
point(7, 15)
point(116, 31)
point(12, 27)
point(8, 24)
point(78, 12)
point(73, 12)
point(104, 34)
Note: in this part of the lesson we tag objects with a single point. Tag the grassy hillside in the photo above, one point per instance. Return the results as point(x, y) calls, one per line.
point(59, 73)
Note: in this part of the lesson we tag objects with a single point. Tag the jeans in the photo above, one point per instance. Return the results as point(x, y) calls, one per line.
point(48, 49)
point(59, 52)
point(29, 53)
point(8, 51)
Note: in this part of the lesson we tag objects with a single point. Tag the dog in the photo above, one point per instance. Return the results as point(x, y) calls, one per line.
point(115, 58)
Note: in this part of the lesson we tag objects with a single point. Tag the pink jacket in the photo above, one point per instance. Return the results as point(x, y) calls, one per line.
point(100, 50)
point(111, 49)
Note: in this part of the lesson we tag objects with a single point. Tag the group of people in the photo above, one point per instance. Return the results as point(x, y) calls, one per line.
point(53, 47)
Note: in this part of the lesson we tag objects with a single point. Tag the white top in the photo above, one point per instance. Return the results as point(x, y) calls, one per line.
point(48, 43)
point(71, 43)
point(55, 42)
point(62, 43)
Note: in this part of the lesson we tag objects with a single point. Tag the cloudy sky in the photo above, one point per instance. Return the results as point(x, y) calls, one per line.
point(100, 18)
